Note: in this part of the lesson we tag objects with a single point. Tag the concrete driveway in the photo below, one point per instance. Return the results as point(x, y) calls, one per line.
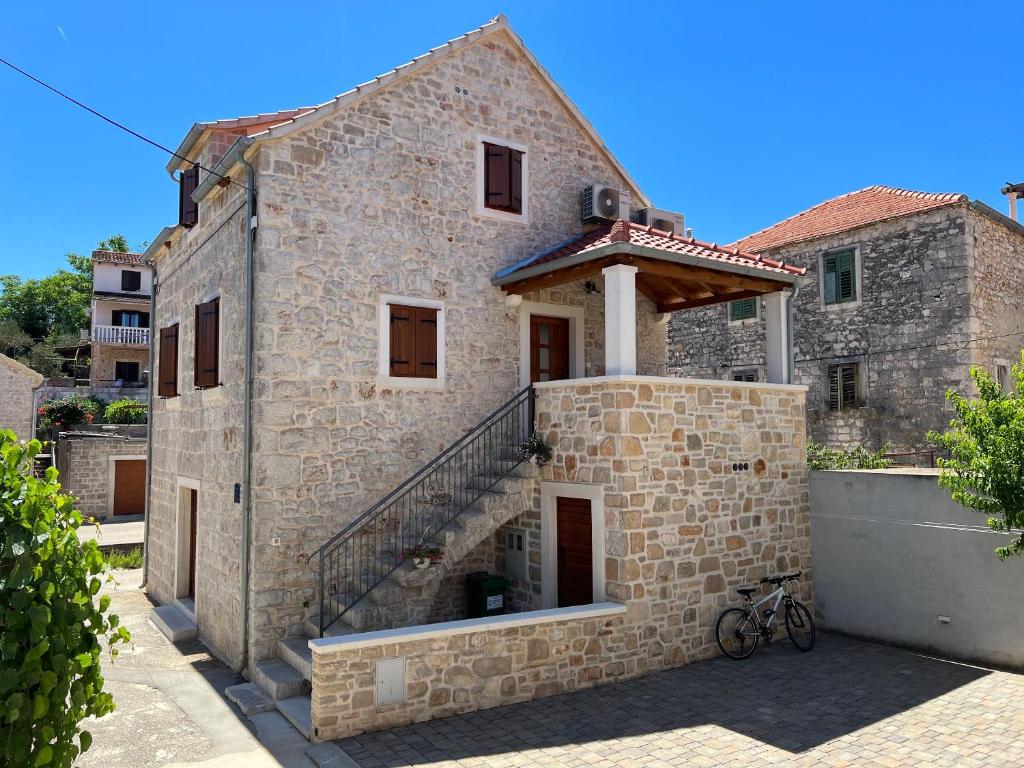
point(847, 703)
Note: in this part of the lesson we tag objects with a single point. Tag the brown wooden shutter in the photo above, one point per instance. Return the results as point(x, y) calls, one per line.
point(403, 341)
point(426, 342)
point(188, 209)
point(497, 181)
point(833, 387)
point(516, 181)
point(207, 373)
point(168, 381)
point(116, 316)
point(849, 384)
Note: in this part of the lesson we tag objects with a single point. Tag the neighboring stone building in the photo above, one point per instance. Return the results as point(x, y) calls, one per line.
point(120, 322)
point(17, 385)
point(363, 312)
point(104, 469)
point(908, 290)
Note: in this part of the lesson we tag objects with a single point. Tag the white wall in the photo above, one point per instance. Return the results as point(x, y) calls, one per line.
point(892, 554)
point(102, 310)
point(107, 277)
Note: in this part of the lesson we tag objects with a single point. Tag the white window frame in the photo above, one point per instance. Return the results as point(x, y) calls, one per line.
point(756, 319)
point(858, 274)
point(384, 330)
point(576, 333)
point(481, 192)
point(549, 493)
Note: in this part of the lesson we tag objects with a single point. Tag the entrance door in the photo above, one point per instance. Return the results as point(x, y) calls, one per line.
point(130, 487)
point(575, 553)
point(549, 348)
point(193, 505)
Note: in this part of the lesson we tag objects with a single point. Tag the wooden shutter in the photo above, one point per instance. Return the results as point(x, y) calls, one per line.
point(831, 279)
point(426, 342)
point(845, 283)
point(833, 387)
point(207, 373)
point(516, 181)
point(188, 209)
point(848, 381)
point(130, 280)
point(497, 177)
point(143, 319)
point(116, 317)
point(743, 309)
point(168, 361)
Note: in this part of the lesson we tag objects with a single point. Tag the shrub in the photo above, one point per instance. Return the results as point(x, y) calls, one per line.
point(69, 410)
point(985, 468)
point(822, 457)
point(130, 559)
point(50, 625)
point(125, 411)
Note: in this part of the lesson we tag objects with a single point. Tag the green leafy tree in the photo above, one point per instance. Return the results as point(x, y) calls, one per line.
point(51, 623)
point(985, 443)
point(57, 303)
point(823, 457)
point(117, 243)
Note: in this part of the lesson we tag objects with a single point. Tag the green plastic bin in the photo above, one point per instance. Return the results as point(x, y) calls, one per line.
point(485, 595)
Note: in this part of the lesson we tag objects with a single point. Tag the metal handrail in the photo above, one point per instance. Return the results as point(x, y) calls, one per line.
point(448, 484)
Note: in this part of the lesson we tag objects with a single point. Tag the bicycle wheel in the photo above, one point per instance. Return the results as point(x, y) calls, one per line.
point(736, 633)
point(800, 626)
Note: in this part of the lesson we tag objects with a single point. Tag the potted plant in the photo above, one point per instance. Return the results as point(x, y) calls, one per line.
point(535, 450)
point(422, 555)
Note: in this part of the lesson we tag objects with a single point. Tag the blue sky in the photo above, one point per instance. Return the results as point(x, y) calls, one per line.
point(737, 114)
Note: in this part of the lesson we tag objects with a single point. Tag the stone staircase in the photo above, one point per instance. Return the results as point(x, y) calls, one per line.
point(405, 595)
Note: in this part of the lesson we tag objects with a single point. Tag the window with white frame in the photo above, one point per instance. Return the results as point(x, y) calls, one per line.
point(502, 179)
point(412, 349)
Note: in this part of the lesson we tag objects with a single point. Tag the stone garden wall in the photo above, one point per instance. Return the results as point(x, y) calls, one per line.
point(83, 460)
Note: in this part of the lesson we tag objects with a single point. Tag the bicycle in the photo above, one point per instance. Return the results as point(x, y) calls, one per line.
point(739, 630)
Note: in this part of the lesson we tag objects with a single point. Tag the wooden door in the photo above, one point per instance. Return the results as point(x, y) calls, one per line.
point(130, 487)
point(575, 552)
point(549, 348)
point(193, 507)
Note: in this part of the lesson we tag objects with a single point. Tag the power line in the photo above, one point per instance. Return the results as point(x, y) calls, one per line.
point(115, 123)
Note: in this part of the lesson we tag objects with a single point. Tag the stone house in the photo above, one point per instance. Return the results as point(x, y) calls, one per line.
point(908, 290)
point(364, 311)
point(119, 331)
point(17, 392)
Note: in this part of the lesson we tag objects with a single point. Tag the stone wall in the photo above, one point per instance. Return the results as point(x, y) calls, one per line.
point(907, 330)
point(380, 199)
point(84, 462)
point(451, 669)
point(16, 403)
point(997, 290)
point(197, 436)
point(104, 356)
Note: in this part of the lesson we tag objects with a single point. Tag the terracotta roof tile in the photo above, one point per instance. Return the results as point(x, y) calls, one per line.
point(116, 257)
point(846, 212)
point(637, 234)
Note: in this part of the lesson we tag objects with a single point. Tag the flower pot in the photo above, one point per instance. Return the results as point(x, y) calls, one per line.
point(421, 562)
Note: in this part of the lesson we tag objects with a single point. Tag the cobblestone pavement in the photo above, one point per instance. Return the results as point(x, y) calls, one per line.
point(847, 703)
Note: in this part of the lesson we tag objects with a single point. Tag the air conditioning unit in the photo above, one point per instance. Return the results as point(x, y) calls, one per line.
point(666, 221)
point(601, 202)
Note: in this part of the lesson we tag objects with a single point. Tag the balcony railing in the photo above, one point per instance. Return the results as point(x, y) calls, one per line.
point(118, 334)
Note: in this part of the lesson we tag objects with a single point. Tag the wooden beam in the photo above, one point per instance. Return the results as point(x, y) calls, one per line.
point(558, 277)
point(675, 306)
point(647, 287)
point(709, 276)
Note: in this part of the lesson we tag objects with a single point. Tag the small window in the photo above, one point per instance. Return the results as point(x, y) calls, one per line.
point(207, 360)
point(126, 373)
point(843, 386)
point(130, 280)
point(503, 178)
point(745, 374)
point(840, 276)
point(168, 360)
point(744, 309)
point(129, 318)
point(413, 342)
point(1003, 378)
point(188, 209)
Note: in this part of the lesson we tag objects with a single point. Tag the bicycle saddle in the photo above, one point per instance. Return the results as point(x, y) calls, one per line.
point(746, 591)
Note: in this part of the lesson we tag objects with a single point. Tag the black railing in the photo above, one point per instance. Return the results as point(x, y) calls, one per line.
point(371, 547)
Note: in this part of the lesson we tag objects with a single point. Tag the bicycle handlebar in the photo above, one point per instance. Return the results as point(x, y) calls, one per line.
point(781, 579)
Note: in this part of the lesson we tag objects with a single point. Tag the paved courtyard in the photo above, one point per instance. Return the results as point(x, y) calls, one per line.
point(847, 703)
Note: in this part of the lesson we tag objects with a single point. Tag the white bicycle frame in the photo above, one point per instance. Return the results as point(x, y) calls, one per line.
point(778, 595)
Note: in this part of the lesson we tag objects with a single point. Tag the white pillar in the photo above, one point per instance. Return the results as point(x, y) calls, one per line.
point(620, 320)
point(777, 337)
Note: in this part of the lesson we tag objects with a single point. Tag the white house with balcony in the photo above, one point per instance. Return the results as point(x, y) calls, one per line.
point(121, 291)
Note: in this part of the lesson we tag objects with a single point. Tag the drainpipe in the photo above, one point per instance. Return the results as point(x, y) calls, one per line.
point(790, 348)
point(251, 223)
point(149, 421)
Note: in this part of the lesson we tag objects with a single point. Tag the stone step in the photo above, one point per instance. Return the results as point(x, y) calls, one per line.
point(295, 651)
point(249, 698)
point(298, 710)
point(173, 623)
point(494, 484)
point(280, 679)
point(363, 616)
point(337, 629)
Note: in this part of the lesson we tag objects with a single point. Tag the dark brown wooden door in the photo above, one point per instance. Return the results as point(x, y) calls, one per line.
point(130, 487)
point(575, 553)
point(549, 348)
point(193, 507)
